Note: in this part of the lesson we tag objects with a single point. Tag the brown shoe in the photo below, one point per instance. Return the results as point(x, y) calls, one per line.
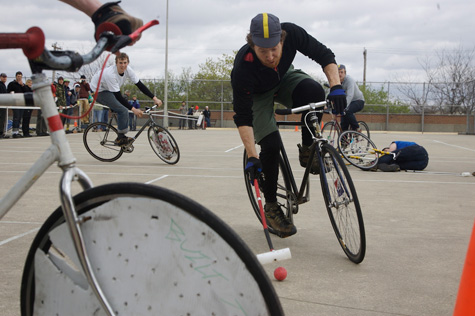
point(123, 141)
point(278, 221)
point(304, 153)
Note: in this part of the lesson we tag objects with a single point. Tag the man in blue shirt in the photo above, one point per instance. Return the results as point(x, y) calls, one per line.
point(405, 156)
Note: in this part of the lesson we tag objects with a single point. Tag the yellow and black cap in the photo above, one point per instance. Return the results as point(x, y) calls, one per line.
point(265, 30)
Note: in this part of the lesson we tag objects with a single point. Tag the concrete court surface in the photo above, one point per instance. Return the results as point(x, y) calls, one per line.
point(418, 225)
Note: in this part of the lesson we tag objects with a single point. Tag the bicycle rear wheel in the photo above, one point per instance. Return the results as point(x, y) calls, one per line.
point(342, 204)
point(163, 144)
point(99, 140)
point(331, 132)
point(285, 197)
point(358, 150)
point(153, 251)
point(364, 128)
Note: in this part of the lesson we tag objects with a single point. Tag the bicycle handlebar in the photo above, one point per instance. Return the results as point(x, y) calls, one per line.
point(33, 44)
point(147, 110)
point(32, 41)
point(310, 106)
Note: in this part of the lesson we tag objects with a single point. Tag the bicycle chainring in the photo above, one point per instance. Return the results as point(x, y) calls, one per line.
point(128, 148)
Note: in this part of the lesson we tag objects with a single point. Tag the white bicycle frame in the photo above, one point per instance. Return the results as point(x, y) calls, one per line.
point(59, 152)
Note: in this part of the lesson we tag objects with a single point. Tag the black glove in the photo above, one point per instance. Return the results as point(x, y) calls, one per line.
point(111, 12)
point(337, 97)
point(253, 169)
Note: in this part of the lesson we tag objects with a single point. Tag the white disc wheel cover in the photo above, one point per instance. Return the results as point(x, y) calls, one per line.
point(150, 258)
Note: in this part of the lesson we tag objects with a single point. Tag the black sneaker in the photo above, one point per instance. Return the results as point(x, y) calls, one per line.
point(304, 153)
point(388, 168)
point(278, 221)
point(122, 141)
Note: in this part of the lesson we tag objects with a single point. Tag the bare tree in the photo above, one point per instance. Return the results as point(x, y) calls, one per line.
point(452, 79)
point(449, 87)
point(417, 93)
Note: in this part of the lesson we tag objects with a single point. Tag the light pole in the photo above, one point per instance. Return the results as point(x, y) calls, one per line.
point(364, 66)
point(165, 98)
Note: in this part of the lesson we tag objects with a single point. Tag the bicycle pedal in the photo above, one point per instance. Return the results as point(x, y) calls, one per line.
point(128, 148)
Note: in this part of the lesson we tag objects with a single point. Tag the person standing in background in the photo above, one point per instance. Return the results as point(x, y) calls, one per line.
point(17, 86)
point(3, 112)
point(207, 115)
point(25, 124)
point(83, 100)
point(132, 118)
point(183, 111)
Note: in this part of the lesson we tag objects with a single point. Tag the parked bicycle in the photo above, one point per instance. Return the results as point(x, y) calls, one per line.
point(124, 248)
point(99, 140)
point(341, 199)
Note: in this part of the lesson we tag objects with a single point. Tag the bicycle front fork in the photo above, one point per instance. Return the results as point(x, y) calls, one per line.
point(70, 174)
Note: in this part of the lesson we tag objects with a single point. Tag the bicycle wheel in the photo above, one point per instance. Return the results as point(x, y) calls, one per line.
point(331, 132)
point(153, 251)
point(163, 144)
point(99, 140)
point(364, 128)
point(358, 150)
point(285, 198)
point(342, 204)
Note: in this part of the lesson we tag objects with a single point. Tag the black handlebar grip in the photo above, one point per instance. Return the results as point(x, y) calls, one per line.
point(283, 111)
point(32, 42)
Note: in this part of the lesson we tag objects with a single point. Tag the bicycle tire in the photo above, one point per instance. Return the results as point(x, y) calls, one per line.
point(358, 150)
point(331, 132)
point(283, 192)
point(342, 204)
point(99, 140)
point(145, 243)
point(364, 128)
point(163, 144)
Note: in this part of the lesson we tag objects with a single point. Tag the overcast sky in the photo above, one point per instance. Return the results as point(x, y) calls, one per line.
point(397, 35)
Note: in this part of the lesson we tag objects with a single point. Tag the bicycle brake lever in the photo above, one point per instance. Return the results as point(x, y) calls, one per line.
point(125, 40)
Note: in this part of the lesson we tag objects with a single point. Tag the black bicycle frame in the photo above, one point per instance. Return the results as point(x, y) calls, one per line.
point(150, 121)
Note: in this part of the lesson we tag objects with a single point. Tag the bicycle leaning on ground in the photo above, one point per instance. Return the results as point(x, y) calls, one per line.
point(359, 150)
point(99, 140)
point(124, 248)
point(341, 200)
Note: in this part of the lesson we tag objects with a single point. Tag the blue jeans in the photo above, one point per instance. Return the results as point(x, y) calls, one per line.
point(17, 116)
point(97, 116)
point(105, 115)
point(349, 118)
point(108, 98)
point(132, 122)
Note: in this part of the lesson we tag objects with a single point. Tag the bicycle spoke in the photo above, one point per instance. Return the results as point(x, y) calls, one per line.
point(358, 150)
point(342, 204)
point(163, 144)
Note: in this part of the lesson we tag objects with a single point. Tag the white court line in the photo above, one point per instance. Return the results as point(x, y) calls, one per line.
point(231, 149)
point(157, 179)
point(18, 236)
point(465, 148)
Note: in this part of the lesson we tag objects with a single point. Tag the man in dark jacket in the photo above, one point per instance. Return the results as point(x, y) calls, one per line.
point(17, 86)
point(263, 73)
point(3, 112)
